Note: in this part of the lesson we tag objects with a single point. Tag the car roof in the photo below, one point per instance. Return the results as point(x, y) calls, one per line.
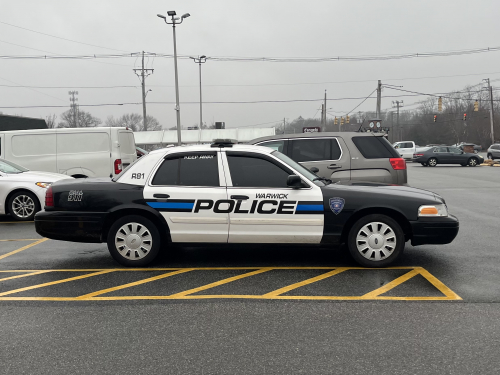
point(208, 147)
point(316, 135)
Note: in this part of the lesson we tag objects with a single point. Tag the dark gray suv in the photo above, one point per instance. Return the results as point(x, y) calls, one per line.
point(494, 151)
point(342, 156)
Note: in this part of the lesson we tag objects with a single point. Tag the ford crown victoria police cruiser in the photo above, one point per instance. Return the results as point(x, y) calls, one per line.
point(225, 193)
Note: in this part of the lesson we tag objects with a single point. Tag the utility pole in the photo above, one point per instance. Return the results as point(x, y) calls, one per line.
point(490, 89)
point(392, 126)
point(379, 98)
point(74, 107)
point(142, 76)
point(284, 126)
point(324, 113)
point(397, 104)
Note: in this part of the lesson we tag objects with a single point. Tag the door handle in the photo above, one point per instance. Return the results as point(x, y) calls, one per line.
point(239, 197)
point(334, 166)
point(161, 196)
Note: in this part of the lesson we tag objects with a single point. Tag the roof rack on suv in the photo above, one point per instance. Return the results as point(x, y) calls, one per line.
point(224, 142)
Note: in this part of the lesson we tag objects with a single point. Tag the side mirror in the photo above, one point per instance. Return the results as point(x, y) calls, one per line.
point(294, 181)
point(314, 170)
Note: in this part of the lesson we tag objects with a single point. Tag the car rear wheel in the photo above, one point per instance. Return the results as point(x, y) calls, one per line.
point(23, 205)
point(432, 162)
point(472, 162)
point(376, 241)
point(134, 241)
point(489, 156)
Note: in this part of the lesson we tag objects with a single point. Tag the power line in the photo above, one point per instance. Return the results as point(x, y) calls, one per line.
point(58, 37)
point(364, 100)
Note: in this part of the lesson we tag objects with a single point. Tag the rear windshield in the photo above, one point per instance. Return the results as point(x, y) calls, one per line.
point(375, 147)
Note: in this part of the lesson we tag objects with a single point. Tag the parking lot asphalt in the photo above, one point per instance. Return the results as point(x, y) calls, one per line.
point(260, 310)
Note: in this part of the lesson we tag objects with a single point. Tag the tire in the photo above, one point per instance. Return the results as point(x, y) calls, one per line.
point(137, 248)
point(424, 164)
point(489, 156)
point(23, 205)
point(376, 251)
point(472, 162)
point(432, 162)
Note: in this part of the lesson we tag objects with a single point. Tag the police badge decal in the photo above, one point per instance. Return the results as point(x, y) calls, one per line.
point(337, 204)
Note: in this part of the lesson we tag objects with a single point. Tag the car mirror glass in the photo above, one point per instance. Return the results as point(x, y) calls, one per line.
point(294, 181)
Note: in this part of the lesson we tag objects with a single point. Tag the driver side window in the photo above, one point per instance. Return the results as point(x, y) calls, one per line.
point(250, 171)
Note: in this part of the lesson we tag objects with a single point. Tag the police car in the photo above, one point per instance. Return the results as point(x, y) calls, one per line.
point(230, 193)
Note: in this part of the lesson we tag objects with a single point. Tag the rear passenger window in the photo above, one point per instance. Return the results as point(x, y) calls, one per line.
point(311, 149)
point(195, 169)
point(375, 147)
point(275, 145)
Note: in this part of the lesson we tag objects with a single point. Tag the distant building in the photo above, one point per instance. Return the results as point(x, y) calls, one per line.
point(21, 123)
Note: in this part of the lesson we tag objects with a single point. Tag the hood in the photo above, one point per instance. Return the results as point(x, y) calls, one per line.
point(39, 176)
point(85, 181)
point(379, 187)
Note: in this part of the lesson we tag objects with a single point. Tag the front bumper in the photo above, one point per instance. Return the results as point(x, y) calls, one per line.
point(434, 230)
point(70, 226)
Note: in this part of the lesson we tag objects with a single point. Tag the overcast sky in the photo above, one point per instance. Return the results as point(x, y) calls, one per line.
point(314, 28)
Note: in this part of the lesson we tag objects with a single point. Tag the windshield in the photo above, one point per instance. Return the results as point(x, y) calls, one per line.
point(9, 167)
point(304, 171)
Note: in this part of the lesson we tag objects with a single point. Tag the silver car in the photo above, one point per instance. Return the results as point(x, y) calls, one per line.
point(342, 156)
point(494, 151)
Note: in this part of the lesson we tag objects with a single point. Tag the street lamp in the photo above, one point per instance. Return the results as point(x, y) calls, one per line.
point(200, 60)
point(175, 21)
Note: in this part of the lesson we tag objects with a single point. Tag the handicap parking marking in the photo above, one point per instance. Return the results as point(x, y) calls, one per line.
point(36, 242)
point(446, 294)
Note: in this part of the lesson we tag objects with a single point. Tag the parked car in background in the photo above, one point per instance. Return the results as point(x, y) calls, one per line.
point(406, 149)
point(342, 156)
point(76, 152)
point(447, 155)
point(22, 192)
point(493, 151)
point(140, 152)
point(477, 148)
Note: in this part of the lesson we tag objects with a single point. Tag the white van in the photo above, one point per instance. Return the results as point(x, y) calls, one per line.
point(76, 152)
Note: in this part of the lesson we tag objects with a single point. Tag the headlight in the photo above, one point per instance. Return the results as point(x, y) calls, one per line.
point(44, 185)
point(433, 211)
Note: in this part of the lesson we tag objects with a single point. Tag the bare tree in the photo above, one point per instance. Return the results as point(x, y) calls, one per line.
point(134, 122)
point(51, 121)
point(85, 120)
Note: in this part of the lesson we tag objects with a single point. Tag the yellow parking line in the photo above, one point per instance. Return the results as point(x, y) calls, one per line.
point(103, 291)
point(285, 289)
point(23, 248)
point(54, 282)
point(21, 239)
point(24, 275)
point(438, 284)
point(220, 282)
point(394, 283)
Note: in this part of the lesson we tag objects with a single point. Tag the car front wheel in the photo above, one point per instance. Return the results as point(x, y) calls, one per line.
point(424, 164)
point(432, 162)
point(23, 206)
point(472, 162)
point(376, 241)
point(134, 241)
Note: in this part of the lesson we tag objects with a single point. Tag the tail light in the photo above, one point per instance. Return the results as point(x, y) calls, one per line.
point(49, 198)
point(118, 166)
point(417, 155)
point(398, 163)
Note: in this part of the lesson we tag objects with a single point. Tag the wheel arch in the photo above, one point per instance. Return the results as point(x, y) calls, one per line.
point(17, 190)
point(148, 213)
point(392, 213)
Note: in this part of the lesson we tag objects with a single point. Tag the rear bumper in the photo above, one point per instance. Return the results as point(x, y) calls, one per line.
point(435, 231)
point(70, 226)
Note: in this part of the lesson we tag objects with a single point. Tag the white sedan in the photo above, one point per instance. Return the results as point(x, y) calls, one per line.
point(22, 192)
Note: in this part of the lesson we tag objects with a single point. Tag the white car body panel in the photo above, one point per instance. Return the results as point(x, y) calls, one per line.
point(10, 182)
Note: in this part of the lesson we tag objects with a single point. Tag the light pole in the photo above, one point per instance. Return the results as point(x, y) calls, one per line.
point(175, 21)
point(200, 60)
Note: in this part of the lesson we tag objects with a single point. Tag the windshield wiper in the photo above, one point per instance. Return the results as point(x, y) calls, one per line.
point(323, 179)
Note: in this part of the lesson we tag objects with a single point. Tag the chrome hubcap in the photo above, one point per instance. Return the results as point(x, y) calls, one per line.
point(473, 162)
point(23, 206)
point(376, 241)
point(432, 162)
point(133, 241)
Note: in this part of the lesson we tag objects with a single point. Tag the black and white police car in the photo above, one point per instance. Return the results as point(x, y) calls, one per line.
point(230, 193)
